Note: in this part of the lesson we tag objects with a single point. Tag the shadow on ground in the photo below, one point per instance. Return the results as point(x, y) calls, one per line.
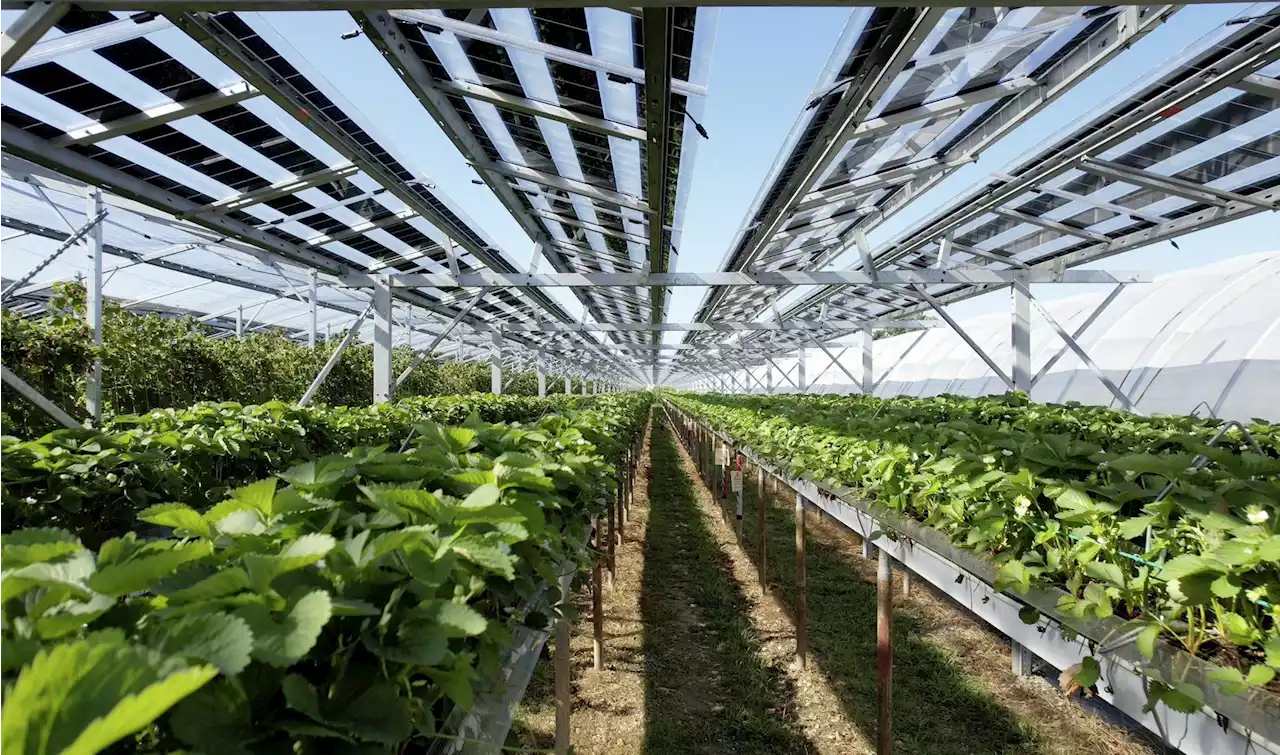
point(706, 688)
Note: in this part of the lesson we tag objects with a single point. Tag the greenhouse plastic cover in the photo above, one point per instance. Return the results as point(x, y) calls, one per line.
point(1210, 335)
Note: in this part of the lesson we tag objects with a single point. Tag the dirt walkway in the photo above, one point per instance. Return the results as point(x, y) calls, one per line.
point(699, 660)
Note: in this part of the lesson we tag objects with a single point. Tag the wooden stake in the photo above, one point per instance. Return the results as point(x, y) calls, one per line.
point(884, 655)
point(802, 592)
point(564, 703)
point(597, 609)
point(762, 535)
point(738, 493)
point(906, 582)
point(612, 551)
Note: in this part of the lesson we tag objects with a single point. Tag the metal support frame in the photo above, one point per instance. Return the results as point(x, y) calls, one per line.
point(93, 309)
point(542, 377)
point(157, 116)
point(539, 109)
point(27, 29)
point(800, 358)
point(431, 347)
point(383, 326)
point(937, 307)
point(313, 296)
point(19, 286)
point(868, 384)
point(1079, 331)
point(36, 397)
point(1084, 356)
point(335, 356)
point(495, 363)
point(1020, 336)
point(867, 277)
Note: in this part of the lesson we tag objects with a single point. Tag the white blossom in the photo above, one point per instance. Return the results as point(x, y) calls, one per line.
point(1021, 505)
point(1006, 452)
point(1257, 515)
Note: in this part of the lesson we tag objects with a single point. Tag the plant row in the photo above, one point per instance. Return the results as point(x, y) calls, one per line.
point(93, 482)
point(345, 604)
point(153, 361)
point(1111, 508)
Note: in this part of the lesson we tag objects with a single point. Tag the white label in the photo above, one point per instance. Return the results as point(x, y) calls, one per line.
point(722, 456)
point(735, 481)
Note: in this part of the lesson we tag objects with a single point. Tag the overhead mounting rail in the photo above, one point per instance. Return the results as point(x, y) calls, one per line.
point(579, 120)
point(1187, 148)
point(909, 96)
point(218, 141)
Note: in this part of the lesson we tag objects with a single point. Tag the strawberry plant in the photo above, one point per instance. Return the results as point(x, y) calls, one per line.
point(1109, 507)
point(344, 604)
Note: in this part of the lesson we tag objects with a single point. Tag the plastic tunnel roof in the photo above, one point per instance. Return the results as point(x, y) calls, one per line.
point(1211, 333)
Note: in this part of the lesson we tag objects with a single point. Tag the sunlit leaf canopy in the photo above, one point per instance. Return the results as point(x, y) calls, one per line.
point(234, 171)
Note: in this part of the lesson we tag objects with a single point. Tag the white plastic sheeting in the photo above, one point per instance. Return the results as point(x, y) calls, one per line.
point(1198, 340)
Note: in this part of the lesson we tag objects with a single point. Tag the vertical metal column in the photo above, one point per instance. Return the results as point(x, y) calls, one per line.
point(409, 330)
point(542, 378)
point(762, 534)
point(568, 385)
point(315, 309)
point(768, 378)
point(800, 385)
point(495, 363)
point(239, 321)
point(382, 339)
point(93, 312)
point(1021, 337)
point(868, 363)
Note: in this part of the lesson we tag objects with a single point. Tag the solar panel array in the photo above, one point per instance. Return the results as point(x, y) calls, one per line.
point(1192, 146)
point(908, 96)
point(215, 119)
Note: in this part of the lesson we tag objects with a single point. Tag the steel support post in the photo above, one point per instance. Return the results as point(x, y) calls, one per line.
point(313, 324)
point(1023, 660)
point(93, 312)
point(382, 330)
point(495, 363)
point(800, 384)
point(568, 385)
point(768, 378)
point(239, 321)
point(868, 361)
point(542, 378)
point(884, 655)
point(1021, 336)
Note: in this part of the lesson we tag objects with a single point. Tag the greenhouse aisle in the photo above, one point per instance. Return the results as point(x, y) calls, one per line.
point(697, 660)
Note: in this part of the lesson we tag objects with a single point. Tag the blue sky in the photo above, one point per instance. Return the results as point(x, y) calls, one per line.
point(764, 64)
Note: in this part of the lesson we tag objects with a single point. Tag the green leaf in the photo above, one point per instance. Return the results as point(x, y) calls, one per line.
point(378, 715)
point(72, 574)
point(217, 718)
point(457, 620)
point(319, 473)
point(301, 696)
point(1105, 572)
point(1029, 614)
point(184, 520)
point(1146, 640)
point(1089, 672)
point(36, 545)
point(282, 643)
point(217, 638)
point(486, 555)
point(80, 697)
point(257, 496)
point(1185, 565)
point(1237, 629)
point(299, 554)
point(1013, 574)
point(1272, 649)
point(216, 585)
point(1226, 586)
point(142, 572)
